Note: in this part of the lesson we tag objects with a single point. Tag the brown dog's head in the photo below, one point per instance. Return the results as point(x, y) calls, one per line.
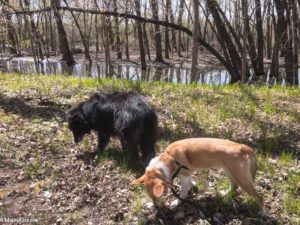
point(154, 184)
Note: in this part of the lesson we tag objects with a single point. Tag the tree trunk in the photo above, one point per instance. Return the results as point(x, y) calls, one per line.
point(126, 34)
point(37, 38)
point(106, 41)
point(285, 41)
point(251, 43)
point(260, 39)
point(97, 35)
point(159, 56)
point(274, 69)
point(140, 36)
point(63, 41)
point(11, 33)
point(179, 22)
point(146, 41)
point(167, 37)
point(269, 35)
point(225, 40)
point(173, 33)
point(196, 33)
point(295, 35)
point(118, 41)
point(83, 37)
point(245, 34)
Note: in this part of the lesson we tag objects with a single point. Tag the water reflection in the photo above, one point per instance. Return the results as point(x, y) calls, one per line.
point(130, 72)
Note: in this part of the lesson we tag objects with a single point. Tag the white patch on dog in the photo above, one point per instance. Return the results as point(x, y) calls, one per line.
point(194, 183)
point(158, 164)
point(175, 203)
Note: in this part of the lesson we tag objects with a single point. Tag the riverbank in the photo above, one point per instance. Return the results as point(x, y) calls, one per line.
point(184, 62)
point(40, 176)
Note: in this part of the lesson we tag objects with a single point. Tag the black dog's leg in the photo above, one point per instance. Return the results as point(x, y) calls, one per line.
point(130, 148)
point(147, 145)
point(103, 140)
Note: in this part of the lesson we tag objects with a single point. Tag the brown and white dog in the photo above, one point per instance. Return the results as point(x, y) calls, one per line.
point(184, 157)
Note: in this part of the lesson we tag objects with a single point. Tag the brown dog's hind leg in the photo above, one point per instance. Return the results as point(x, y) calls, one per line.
point(243, 176)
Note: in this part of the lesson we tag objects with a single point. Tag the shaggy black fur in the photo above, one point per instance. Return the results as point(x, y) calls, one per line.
point(126, 115)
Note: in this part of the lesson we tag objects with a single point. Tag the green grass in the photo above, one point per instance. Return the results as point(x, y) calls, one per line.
point(286, 158)
point(267, 119)
point(291, 200)
point(139, 197)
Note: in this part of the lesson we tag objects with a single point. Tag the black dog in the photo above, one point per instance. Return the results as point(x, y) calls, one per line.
point(126, 115)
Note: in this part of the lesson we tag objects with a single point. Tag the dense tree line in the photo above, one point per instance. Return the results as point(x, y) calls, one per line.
point(243, 35)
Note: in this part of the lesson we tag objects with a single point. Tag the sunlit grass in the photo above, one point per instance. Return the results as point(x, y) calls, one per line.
point(250, 114)
point(286, 158)
point(139, 197)
point(290, 199)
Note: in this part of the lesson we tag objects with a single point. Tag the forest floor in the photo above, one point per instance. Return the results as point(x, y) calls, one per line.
point(41, 178)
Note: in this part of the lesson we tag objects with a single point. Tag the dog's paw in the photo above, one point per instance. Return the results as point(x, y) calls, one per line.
point(224, 193)
point(194, 183)
point(176, 203)
point(262, 212)
point(149, 205)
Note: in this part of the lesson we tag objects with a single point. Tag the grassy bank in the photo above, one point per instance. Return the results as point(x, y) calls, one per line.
point(39, 173)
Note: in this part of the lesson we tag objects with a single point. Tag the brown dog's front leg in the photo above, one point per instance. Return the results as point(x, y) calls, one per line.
point(185, 183)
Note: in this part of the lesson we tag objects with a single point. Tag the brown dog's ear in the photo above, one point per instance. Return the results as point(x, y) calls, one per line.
point(158, 190)
point(138, 181)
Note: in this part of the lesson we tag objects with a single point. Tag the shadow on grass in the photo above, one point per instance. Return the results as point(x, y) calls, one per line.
point(45, 110)
point(117, 155)
point(209, 210)
point(190, 129)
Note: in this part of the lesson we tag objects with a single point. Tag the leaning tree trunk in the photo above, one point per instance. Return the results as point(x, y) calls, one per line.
point(158, 46)
point(83, 37)
point(62, 36)
point(235, 62)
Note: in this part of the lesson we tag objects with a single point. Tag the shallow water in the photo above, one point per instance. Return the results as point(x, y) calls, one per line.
point(131, 72)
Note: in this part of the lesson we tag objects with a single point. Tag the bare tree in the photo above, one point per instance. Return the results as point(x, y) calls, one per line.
point(10, 28)
point(259, 39)
point(196, 31)
point(158, 46)
point(245, 34)
point(62, 36)
point(140, 34)
point(83, 37)
point(117, 27)
point(179, 22)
